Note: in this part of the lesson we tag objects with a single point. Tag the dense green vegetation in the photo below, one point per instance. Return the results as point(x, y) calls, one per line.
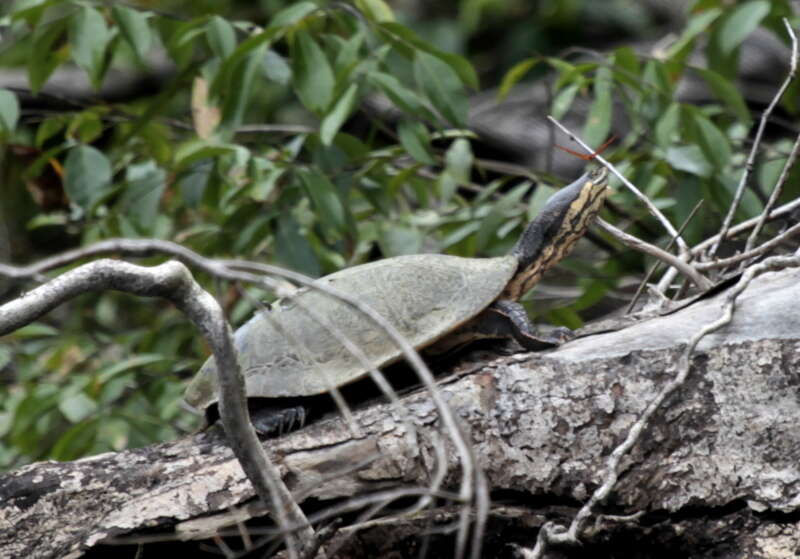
point(253, 142)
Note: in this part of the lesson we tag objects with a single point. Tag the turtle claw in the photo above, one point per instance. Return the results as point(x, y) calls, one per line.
point(562, 335)
point(274, 422)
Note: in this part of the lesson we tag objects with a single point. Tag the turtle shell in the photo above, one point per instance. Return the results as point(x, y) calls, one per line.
point(287, 351)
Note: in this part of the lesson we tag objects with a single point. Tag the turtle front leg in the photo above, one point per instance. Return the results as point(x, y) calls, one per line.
point(508, 319)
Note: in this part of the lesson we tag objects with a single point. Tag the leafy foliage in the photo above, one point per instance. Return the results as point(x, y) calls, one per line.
point(320, 188)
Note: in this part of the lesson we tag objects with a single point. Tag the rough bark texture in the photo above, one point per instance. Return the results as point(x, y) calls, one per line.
point(717, 473)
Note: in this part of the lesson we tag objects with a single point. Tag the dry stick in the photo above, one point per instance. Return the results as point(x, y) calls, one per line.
point(758, 251)
point(654, 267)
point(226, 269)
point(548, 533)
point(780, 211)
point(748, 167)
point(173, 281)
point(775, 193)
point(648, 204)
point(635, 243)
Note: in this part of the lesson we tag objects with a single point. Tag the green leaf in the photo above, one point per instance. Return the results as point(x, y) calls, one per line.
point(89, 37)
point(325, 197)
point(181, 42)
point(442, 87)
point(276, 68)
point(141, 197)
point(498, 214)
point(625, 59)
point(75, 442)
point(399, 94)
point(135, 362)
point(334, 119)
point(9, 111)
point(459, 160)
point(516, 73)
point(563, 100)
point(738, 23)
point(77, 407)
point(712, 141)
point(264, 175)
point(35, 330)
point(348, 54)
point(293, 249)
point(135, 30)
point(197, 150)
point(221, 37)
point(727, 92)
point(415, 139)
point(44, 56)
point(397, 239)
point(598, 121)
point(668, 125)
point(292, 14)
point(49, 128)
point(240, 89)
point(409, 44)
point(87, 175)
point(33, 12)
point(697, 24)
point(86, 126)
point(312, 74)
point(375, 10)
point(689, 159)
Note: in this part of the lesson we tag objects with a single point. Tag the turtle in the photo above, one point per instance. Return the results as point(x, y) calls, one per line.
point(438, 302)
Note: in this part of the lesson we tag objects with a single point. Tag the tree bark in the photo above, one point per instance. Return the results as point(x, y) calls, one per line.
point(717, 471)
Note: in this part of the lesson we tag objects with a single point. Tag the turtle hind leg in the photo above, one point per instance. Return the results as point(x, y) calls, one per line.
point(276, 420)
point(508, 319)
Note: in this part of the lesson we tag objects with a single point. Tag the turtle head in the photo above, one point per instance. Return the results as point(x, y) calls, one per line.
point(552, 234)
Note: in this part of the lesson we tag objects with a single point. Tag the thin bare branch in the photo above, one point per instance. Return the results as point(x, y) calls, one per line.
point(773, 197)
point(780, 211)
point(748, 167)
point(756, 252)
point(654, 267)
point(629, 240)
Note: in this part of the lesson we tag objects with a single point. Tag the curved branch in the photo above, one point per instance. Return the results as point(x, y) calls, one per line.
point(173, 281)
point(701, 281)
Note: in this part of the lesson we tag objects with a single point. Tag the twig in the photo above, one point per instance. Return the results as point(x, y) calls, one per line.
point(701, 281)
point(776, 191)
point(748, 167)
point(651, 208)
point(758, 251)
point(654, 267)
point(552, 534)
point(780, 211)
